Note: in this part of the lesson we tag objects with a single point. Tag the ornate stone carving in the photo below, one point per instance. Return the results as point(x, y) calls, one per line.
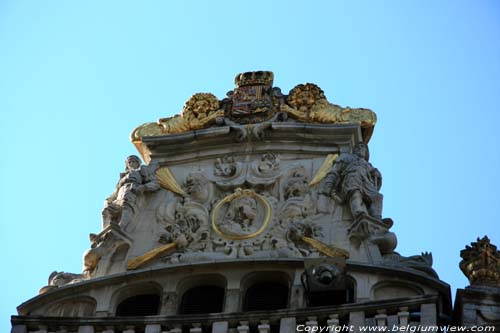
point(353, 180)
point(307, 103)
point(299, 232)
point(481, 263)
point(121, 206)
point(200, 111)
point(321, 277)
point(185, 231)
point(252, 99)
point(296, 184)
point(102, 247)
point(197, 188)
point(59, 279)
point(375, 231)
point(225, 166)
point(256, 103)
point(241, 215)
point(190, 229)
point(264, 172)
point(422, 262)
point(268, 164)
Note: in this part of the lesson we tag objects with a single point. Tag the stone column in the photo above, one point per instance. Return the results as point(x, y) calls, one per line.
point(288, 325)
point(356, 319)
point(86, 329)
point(220, 327)
point(296, 297)
point(169, 304)
point(232, 300)
point(153, 328)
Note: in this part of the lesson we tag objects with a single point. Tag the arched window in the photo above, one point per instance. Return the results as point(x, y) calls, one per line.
point(140, 305)
point(202, 299)
point(266, 296)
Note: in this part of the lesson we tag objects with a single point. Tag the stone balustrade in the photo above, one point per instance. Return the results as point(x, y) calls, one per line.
point(399, 312)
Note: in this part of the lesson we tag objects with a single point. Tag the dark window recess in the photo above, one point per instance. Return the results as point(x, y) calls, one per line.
point(204, 299)
point(332, 297)
point(141, 305)
point(266, 296)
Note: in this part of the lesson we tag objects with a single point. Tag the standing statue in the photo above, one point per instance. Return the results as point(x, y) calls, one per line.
point(354, 180)
point(121, 206)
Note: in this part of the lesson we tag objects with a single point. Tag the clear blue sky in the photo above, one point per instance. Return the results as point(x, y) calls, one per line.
point(77, 76)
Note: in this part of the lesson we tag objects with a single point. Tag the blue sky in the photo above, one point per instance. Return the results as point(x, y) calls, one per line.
point(76, 78)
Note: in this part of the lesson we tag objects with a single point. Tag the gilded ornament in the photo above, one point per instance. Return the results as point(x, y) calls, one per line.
point(167, 181)
point(327, 250)
point(247, 207)
point(149, 256)
point(324, 169)
point(481, 263)
point(200, 110)
point(307, 103)
point(304, 96)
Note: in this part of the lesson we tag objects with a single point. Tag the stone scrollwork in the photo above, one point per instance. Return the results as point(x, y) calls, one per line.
point(241, 215)
point(264, 171)
point(268, 164)
point(226, 166)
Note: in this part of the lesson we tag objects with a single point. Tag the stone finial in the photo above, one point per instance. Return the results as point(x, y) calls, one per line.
point(481, 263)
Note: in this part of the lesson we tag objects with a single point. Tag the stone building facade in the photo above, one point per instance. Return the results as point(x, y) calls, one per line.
point(259, 212)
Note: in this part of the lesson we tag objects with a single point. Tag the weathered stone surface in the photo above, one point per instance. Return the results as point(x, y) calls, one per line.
point(256, 188)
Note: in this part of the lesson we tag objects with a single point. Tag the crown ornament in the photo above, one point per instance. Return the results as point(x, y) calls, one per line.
point(254, 78)
point(481, 263)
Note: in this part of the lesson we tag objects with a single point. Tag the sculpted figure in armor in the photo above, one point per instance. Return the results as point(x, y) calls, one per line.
point(354, 180)
point(121, 206)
